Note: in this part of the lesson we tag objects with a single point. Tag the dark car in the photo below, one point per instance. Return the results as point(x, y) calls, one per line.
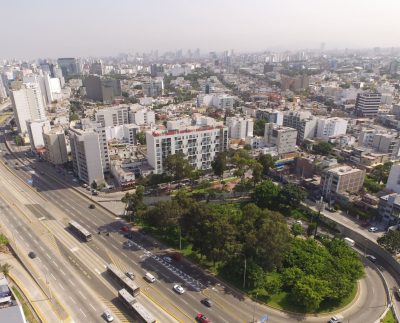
point(32, 255)
point(92, 206)
point(371, 258)
point(207, 302)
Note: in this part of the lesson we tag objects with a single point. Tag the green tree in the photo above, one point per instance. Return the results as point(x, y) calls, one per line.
point(141, 138)
point(265, 195)
point(178, 166)
point(219, 164)
point(94, 185)
point(296, 229)
point(309, 292)
point(390, 241)
point(259, 127)
point(3, 240)
point(134, 201)
point(267, 162)
point(311, 228)
point(5, 268)
point(257, 171)
point(322, 148)
point(291, 195)
point(165, 215)
point(372, 186)
point(290, 276)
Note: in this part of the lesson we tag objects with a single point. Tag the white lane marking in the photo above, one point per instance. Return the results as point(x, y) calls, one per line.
point(185, 302)
point(53, 276)
point(48, 256)
point(45, 267)
point(80, 293)
point(94, 309)
point(73, 301)
point(62, 287)
point(71, 282)
point(82, 312)
point(29, 234)
point(114, 247)
point(97, 271)
point(222, 318)
point(41, 248)
point(55, 263)
point(22, 238)
point(35, 241)
point(61, 271)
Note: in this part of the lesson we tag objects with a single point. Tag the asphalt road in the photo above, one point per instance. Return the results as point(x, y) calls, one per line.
point(145, 255)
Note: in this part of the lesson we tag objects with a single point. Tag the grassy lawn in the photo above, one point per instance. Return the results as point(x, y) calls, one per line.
point(27, 310)
point(389, 318)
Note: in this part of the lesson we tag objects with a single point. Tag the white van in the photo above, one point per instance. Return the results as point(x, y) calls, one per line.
point(349, 241)
point(150, 278)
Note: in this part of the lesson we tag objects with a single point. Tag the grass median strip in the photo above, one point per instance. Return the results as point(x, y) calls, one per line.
point(30, 317)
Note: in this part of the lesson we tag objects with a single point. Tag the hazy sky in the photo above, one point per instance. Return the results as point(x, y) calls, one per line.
point(53, 28)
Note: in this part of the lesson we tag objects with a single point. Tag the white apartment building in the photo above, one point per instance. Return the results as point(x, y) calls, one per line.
point(283, 138)
point(220, 101)
point(28, 104)
point(125, 133)
point(273, 116)
point(303, 121)
point(393, 183)
point(86, 154)
point(53, 88)
point(113, 116)
point(141, 115)
point(331, 127)
point(55, 145)
point(199, 144)
point(239, 128)
point(35, 130)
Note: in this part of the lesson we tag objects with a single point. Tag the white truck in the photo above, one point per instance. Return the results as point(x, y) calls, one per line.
point(349, 241)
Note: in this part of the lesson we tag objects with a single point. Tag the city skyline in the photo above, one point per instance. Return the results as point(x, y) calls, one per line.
point(91, 28)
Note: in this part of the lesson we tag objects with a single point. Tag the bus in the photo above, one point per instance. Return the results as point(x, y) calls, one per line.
point(123, 280)
point(136, 308)
point(80, 231)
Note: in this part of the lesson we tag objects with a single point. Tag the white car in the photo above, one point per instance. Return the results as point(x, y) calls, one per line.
point(179, 289)
point(298, 222)
point(107, 316)
point(373, 229)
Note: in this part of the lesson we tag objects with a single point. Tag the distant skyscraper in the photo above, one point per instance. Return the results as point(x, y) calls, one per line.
point(102, 89)
point(367, 104)
point(393, 67)
point(28, 104)
point(97, 68)
point(69, 66)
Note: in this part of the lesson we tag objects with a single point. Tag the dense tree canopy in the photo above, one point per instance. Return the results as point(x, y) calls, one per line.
point(178, 166)
point(265, 194)
point(390, 241)
point(219, 164)
point(323, 148)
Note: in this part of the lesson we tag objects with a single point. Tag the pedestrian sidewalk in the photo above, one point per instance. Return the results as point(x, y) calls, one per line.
point(31, 290)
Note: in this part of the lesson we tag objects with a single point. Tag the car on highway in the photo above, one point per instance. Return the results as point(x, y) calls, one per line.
point(107, 316)
point(131, 275)
point(124, 228)
point(150, 278)
point(373, 229)
point(397, 293)
point(207, 302)
point(128, 243)
point(179, 289)
point(202, 318)
point(91, 206)
point(371, 258)
point(32, 255)
point(167, 259)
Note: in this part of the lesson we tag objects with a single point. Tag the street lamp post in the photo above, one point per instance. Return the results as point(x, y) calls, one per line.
point(244, 272)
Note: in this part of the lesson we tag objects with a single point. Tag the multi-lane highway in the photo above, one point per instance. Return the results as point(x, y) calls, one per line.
point(50, 198)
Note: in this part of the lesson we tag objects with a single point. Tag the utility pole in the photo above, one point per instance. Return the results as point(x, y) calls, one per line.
point(244, 274)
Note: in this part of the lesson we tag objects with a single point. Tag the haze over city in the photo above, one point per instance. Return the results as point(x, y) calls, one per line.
point(47, 28)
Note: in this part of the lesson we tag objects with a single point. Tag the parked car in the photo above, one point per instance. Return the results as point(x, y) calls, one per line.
point(91, 206)
point(131, 275)
point(124, 228)
point(373, 229)
point(397, 293)
point(179, 289)
point(336, 319)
